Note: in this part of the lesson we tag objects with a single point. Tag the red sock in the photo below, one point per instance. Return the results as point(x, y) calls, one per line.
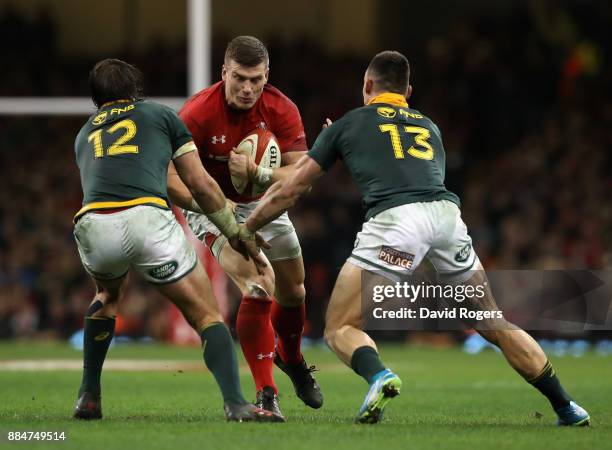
point(288, 322)
point(256, 337)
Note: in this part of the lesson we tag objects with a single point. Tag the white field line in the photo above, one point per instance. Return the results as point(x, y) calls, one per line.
point(125, 365)
point(31, 365)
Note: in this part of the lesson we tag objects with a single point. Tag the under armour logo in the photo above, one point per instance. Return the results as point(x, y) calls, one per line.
point(262, 125)
point(215, 139)
point(265, 355)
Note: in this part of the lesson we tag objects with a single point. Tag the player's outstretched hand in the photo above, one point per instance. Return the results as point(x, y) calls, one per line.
point(248, 244)
point(241, 166)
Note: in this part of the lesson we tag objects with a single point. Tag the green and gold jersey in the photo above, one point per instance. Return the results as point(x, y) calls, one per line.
point(123, 152)
point(394, 153)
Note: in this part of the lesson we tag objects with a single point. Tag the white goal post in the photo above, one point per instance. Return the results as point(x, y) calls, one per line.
point(198, 73)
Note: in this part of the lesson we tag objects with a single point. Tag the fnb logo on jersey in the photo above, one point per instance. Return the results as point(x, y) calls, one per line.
point(396, 257)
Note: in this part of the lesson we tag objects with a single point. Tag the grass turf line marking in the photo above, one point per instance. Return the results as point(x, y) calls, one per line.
point(28, 365)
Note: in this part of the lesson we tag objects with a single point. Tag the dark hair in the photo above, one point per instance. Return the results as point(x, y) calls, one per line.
point(113, 79)
point(247, 51)
point(390, 71)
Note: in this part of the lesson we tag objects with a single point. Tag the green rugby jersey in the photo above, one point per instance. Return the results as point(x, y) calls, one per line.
point(394, 153)
point(123, 152)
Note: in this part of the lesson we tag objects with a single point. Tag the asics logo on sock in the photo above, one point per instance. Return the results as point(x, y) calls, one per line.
point(102, 336)
point(265, 355)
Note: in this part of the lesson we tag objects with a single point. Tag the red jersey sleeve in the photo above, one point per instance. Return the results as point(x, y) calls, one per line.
point(289, 129)
point(189, 119)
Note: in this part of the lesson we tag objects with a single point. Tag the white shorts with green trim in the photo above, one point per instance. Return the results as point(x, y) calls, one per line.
point(394, 242)
point(279, 233)
point(146, 238)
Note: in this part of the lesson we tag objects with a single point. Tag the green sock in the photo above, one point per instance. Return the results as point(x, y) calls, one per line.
point(220, 358)
point(549, 385)
point(366, 362)
point(99, 332)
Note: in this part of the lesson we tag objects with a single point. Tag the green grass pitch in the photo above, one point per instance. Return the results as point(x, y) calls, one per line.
point(449, 400)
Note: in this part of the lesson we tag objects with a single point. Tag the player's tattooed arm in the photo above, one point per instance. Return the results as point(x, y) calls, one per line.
point(284, 193)
point(189, 182)
point(181, 196)
point(179, 193)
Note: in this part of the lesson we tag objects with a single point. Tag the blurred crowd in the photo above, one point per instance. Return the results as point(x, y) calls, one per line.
point(523, 103)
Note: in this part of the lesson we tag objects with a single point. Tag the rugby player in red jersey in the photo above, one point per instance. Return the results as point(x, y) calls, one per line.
point(219, 117)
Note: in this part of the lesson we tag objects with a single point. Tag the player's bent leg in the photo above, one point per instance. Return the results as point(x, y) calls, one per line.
point(355, 348)
point(98, 332)
point(193, 295)
point(288, 316)
point(253, 324)
point(343, 319)
point(526, 356)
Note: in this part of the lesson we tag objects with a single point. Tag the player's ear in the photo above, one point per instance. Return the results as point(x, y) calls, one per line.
point(266, 75)
point(223, 72)
point(368, 86)
point(408, 92)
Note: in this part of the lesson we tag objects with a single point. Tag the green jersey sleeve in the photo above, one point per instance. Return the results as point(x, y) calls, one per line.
point(180, 137)
point(326, 149)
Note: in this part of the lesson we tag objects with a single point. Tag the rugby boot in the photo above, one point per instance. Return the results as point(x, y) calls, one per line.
point(268, 400)
point(305, 385)
point(384, 388)
point(247, 412)
point(573, 415)
point(88, 407)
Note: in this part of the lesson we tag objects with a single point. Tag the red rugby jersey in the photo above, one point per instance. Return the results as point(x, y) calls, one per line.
point(217, 128)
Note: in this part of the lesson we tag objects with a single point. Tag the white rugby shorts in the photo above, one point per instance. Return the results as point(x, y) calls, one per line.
point(279, 233)
point(146, 238)
point(394, 242)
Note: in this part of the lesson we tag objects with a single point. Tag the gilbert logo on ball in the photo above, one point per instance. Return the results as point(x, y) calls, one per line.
point(262, 146)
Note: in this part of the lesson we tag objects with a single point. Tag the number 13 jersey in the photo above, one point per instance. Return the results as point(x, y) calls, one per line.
point(394, 153)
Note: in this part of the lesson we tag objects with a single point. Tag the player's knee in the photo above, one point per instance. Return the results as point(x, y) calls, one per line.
point(259, 286)
point(294, 296)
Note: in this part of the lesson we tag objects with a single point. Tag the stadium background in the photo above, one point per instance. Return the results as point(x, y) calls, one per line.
point(520, 90)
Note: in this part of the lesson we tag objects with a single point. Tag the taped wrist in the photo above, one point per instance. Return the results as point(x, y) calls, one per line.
point(225, 221)
point(263, 176)
point(195, 207)
point(245, 234)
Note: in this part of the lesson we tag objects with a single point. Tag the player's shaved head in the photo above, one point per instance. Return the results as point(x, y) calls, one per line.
point(390, 72)
point(113, 79)
point(247, 51)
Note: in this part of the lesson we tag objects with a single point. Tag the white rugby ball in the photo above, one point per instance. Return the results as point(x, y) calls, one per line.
point(263, 148)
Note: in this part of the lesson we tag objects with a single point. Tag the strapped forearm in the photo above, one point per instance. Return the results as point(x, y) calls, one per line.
point(224, 220)
point(195, 207)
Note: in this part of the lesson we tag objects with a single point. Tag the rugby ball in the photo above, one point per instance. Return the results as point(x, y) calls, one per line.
point(263, 147)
